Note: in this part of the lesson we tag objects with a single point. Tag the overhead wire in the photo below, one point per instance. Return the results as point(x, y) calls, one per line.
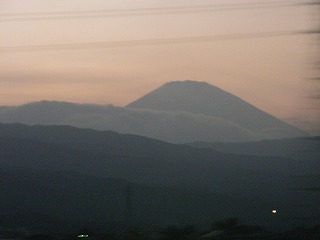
point(141, 11)
point(143, 42)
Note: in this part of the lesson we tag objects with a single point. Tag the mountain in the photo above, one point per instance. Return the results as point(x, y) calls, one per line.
point(172, 127)
point(178, 112)
point(241, 186)
point(132, 157)
point(203, 98)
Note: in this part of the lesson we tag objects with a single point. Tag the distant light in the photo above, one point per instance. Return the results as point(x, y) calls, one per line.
point(83, 236)
point(274, 211)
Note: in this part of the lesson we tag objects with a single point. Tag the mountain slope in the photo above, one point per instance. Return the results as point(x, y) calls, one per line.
point(304, 150)
point(168, 126)
point(155, 163)
point(296, 148)
point(137, 158)
point(203, 98)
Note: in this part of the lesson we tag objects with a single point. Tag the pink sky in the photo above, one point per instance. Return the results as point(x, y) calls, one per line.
point(270, 72)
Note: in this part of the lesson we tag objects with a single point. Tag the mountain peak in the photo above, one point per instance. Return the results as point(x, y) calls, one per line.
point(185, 92)
point(186, 95)
point(188, 84)
point(203, 98)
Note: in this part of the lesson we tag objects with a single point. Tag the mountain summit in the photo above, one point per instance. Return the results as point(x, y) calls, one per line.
point(203, 98)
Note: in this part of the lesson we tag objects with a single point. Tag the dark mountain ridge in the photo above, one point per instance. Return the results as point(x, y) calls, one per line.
point(286, 147)
point(135, 158)
point(248, 180)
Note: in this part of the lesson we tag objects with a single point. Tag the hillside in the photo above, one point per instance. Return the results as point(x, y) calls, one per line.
point(130, 157)
point(54, 201)
point(249, 180)
point(295, 148)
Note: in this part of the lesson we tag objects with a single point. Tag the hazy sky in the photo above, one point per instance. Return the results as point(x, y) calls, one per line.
point(268, 72)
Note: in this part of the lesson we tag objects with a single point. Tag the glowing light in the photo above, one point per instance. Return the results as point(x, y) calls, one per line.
point(83, 236)
point(274, 211)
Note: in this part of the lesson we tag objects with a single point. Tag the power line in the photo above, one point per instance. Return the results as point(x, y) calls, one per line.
point(141, 11)
point(215, 6)
point(159, 41)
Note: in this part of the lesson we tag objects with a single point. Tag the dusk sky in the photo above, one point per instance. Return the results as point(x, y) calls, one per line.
point(270, 72)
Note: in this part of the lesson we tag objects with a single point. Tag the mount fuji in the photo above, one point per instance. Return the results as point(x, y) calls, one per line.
point(177, 112)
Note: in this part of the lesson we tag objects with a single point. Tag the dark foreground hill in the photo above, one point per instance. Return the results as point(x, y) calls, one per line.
point(209, 184)
point(52, 201)
point(137, 158)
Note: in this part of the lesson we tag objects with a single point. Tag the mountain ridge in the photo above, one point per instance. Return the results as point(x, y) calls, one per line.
point(140, 160)
point(162, 125)
point(178, 117)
